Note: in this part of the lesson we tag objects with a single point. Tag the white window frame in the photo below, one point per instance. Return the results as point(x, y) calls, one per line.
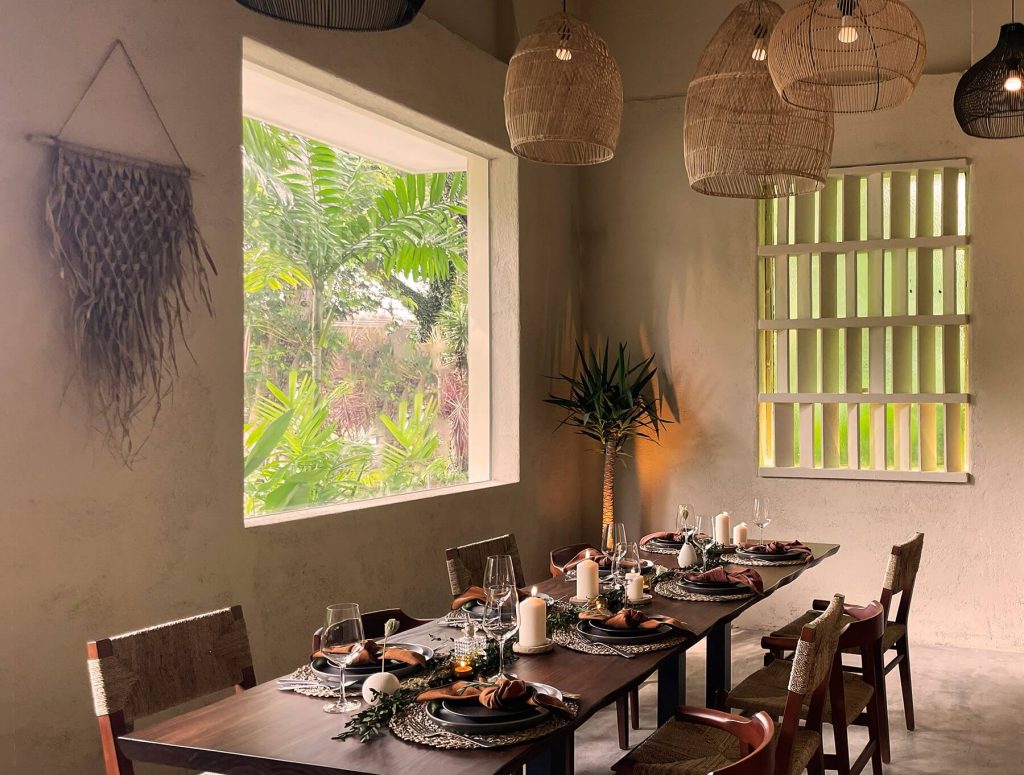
point(493, 352)
point(813, 375)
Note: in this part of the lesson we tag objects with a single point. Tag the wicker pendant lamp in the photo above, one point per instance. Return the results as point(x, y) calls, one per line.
point(870, 52)
point(353, 15)
point(563, 95)
point(989, 100)
point(740, 139)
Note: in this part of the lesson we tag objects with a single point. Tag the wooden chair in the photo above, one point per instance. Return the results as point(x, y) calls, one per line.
point(466, 564)
point(850, 698)
point(148, 671)
point(722, 744)
point(374, 621)
point(687, 749)
point(627, 707)
point(900, 576)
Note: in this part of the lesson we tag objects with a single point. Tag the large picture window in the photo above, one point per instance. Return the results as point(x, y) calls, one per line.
point(863, 326)
point(359, 346)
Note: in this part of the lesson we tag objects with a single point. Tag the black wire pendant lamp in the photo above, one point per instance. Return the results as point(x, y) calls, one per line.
point(352, 15)
point(989, 100)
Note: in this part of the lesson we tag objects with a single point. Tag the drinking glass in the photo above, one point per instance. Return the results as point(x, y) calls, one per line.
point(617, 556)
point(684, 519)
point(612, 533)
point(501, 621)
point(341, 642)
point(630, 561)
point(499, 572)
point(761, 515)
point(702, 540)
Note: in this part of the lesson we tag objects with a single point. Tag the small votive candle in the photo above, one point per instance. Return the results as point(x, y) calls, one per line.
point(739, 534)
point(463, 669)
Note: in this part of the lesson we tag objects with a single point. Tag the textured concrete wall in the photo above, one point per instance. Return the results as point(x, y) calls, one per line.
point(89, 548)
point(674, 272)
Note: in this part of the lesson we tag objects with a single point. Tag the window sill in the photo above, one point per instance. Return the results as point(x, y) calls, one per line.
point(935, 477)
point(334, 509)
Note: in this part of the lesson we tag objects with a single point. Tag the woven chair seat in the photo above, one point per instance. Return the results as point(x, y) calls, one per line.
point(682, 748)
point(767, 690)
point(893, 631)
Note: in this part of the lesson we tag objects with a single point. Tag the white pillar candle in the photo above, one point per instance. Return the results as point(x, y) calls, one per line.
point(587, 576)
point(739, 534)
point(533, 621)
point(634, 587)
point(723, 525)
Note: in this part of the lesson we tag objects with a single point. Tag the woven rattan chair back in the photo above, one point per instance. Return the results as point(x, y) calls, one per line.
point(466, 563)
point(148, 671)
point(901, 572)
point(816, 654)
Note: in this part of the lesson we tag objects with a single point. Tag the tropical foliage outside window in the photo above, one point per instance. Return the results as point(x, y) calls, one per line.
point(356, 325)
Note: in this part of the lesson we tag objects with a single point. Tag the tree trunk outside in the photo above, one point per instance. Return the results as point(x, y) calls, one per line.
point(315, 324)
point(608, 484)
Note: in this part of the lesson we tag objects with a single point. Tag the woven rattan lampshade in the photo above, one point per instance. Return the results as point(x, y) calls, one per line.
point(740, 139)
point(355, 15)
point(989, 99)
point(870, 52)
point(563, 95)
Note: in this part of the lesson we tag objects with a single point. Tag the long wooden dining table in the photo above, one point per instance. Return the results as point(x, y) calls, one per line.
point(266, 731)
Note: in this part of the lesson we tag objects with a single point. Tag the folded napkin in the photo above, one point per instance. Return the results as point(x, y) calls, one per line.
point(373, 654)
point(504, 695)
point(669, 535)
point(747, 576)
point(779, 547)
point(478, 595)
point(603, 560)
point(631, 619)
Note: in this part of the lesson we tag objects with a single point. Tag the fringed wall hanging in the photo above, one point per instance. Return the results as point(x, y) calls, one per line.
point(132, 259)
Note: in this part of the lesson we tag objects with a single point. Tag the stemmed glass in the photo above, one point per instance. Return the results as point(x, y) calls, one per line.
point(341, 641)
point(501, 621)
point(629, 562)
point(684, 518)
point(761, 515)
point(612, 533)
point(499, 571)
point(702, 541)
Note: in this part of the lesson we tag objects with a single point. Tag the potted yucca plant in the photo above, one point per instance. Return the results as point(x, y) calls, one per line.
point(610, 402)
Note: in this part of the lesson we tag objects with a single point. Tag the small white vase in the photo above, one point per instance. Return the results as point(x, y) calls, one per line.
point(385, 683)
point(687, 556)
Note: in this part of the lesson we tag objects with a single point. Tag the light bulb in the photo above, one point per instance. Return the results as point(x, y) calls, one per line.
point(760, 53)
point(848, 32)
point(1013, 82)
point(563, 54)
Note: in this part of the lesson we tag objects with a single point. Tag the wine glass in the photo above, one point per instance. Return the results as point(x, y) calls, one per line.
point(612, 533)
point(630, 561)
point(761, 515)
point(499, 571)
point(501, 621)
point(341, 641)
point(702, 540)
point(684, 518)
point(618, 565)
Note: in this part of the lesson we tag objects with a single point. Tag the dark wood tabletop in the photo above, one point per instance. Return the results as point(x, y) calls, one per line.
point(268, 731)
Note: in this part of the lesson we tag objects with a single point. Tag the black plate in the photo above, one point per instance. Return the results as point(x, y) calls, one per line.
point(602, 627)
point(459, 724)
point(621, 637)
point(325, 669)
point(475, 712)
point(666, 544)
point(771, 557)
point(709, 584)
point(733, 589)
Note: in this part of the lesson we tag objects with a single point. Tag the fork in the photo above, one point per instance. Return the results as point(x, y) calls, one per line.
point(424, 731)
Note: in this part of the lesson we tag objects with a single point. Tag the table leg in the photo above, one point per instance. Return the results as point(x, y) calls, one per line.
point(719, 675)
point(557, 758)
point(671, 687)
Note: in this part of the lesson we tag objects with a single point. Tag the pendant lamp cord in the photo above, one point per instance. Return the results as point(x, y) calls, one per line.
point(563, 6)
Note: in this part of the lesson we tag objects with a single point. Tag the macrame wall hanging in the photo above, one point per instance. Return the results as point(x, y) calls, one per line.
point(132, 259)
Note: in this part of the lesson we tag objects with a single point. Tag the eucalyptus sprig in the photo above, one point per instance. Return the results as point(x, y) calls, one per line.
point(562, 616)
point(369, 724)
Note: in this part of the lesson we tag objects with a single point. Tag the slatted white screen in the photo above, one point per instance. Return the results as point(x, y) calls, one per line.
point(863, 326)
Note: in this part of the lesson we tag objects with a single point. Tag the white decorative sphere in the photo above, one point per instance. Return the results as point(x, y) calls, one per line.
point(385, 683)
point(687, 556)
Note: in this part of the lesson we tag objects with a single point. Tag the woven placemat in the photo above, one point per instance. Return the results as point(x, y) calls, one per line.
point(414, 726)
point(571, 639)
point(670, 588)
point(323, 691)
point(735, 559)
point(655, 549)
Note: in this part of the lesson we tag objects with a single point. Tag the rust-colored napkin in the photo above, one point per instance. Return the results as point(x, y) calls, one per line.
point(780, 547)
point(505, 694)
point(631, 619)
point(478, 595)
point(603, 560)
point(373, 654)
point(669, 535)
point(747, 576)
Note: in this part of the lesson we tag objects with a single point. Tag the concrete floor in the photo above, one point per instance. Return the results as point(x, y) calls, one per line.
point(965, 703)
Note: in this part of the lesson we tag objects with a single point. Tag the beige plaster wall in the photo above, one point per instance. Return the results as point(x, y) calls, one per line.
point(89, 548)
point(674, 273)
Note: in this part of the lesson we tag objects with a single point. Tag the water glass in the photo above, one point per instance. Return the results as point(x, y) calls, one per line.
point(762, 517)
point(684, 519)
point(501, 622)
point(341, 641)
point(612, 533)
